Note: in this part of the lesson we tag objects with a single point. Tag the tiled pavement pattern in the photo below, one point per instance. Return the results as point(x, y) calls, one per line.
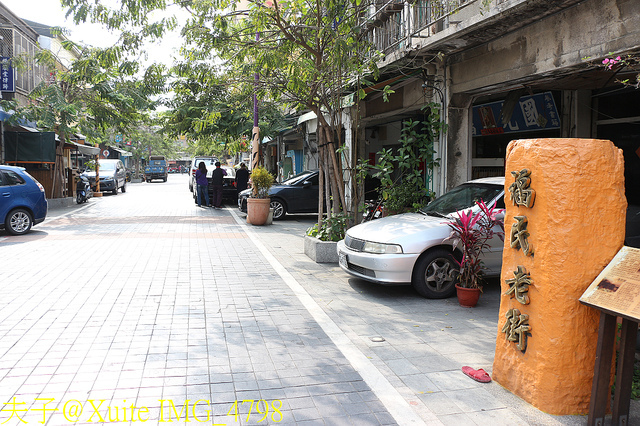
point(143, 299)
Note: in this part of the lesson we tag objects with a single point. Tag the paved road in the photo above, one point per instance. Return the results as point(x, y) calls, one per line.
point(142, 306)
point(143, 300)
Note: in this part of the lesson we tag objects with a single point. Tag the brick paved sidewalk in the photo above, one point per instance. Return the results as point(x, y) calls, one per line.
point(426, 341)
point(172, 302)
point(171, 305)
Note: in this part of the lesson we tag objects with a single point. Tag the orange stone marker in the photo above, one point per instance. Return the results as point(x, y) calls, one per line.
point(574, 227)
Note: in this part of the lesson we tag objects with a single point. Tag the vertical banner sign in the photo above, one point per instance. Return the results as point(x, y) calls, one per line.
point(7, 81)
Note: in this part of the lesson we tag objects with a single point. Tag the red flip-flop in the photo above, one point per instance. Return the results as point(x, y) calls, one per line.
point(478, 375)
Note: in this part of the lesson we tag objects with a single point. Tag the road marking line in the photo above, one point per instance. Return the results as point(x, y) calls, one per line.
point(397, 406)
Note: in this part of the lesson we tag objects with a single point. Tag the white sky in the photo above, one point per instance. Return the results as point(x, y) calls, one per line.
point(51, 13)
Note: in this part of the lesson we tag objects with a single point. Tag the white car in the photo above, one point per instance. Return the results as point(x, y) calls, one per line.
point(414, 248)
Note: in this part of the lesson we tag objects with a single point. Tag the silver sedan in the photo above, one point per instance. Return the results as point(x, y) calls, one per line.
point(414, 248)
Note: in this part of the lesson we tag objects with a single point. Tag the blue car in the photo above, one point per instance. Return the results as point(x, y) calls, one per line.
point(22, 200)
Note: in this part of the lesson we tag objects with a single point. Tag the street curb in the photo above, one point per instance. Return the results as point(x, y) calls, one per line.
point(58, 203)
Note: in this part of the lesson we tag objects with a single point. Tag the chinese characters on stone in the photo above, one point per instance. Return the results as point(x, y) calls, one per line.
point(516, 328)
point(519, 285)
point(519, 235)
point(521, 194)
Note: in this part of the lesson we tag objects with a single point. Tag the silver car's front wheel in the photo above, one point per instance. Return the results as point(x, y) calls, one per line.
point(435, 274)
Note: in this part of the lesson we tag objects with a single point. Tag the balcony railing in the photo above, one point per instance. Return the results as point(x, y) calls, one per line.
point(391, 23)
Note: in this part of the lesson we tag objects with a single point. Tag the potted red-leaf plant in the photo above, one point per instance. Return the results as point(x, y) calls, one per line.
point(471, 231)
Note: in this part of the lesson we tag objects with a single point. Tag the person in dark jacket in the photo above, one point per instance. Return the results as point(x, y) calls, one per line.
point(242, 178)
point(217, 181)
point(202, 185)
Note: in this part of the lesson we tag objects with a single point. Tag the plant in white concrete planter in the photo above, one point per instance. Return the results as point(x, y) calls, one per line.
point(332, 229)
point(321, 241)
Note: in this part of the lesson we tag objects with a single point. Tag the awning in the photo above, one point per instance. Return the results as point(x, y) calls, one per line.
point(306, 117)
point(4, 115)
point(28, 147)
point(85, 149)
point(122, 152)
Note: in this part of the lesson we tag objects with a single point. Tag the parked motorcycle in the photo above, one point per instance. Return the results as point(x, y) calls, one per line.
point(372, 210)
point(83, 190)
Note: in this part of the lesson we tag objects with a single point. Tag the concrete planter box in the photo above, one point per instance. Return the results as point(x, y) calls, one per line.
point(320, 251)
point(136, 180)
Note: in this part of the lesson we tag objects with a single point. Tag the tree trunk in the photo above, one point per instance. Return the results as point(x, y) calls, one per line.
point(320, 180)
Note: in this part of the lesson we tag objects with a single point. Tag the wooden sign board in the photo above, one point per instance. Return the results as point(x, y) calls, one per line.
point(616, 290)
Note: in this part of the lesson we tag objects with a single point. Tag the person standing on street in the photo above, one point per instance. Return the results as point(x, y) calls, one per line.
point(202, 184)
point(217, 180)
point(242, 178)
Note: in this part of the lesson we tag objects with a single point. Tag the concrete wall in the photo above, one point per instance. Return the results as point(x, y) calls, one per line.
point(590, 29)
point(553, 46)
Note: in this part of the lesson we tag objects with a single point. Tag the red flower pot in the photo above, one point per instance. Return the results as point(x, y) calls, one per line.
point(467, 297)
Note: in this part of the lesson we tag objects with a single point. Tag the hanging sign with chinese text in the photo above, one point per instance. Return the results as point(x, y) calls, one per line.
point(537, 112)
point(7, 80)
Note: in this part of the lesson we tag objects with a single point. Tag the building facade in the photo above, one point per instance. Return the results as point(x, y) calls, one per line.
point(504, 70)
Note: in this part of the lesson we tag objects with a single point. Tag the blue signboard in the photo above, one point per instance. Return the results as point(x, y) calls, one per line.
point(7, 81)
point(536, 112)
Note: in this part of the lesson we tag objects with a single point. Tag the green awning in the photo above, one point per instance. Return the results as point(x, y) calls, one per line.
point(30, 147)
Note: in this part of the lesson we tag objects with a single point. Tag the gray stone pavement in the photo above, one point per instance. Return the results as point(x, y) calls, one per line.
point(142, 306)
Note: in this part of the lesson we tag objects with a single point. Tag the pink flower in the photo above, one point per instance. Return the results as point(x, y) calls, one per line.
point(606, 61)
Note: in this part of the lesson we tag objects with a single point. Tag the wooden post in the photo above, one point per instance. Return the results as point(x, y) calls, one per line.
point(624, 377)
point(602, 370)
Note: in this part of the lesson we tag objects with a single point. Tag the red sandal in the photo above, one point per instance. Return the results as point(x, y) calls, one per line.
point(478, 375)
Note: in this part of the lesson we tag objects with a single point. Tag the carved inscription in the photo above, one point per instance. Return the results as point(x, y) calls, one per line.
point(519, 285)
point(517, 328)
point(520, 235)
point(521, 193)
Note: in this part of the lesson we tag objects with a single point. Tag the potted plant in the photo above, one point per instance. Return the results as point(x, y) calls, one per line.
point(472, 230)
point(259, 202)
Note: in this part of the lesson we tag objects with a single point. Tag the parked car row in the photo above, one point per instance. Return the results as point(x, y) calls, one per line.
point(410, 248)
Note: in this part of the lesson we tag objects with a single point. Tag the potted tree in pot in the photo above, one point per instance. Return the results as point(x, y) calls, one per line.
point(259, 203)
point(471, 231)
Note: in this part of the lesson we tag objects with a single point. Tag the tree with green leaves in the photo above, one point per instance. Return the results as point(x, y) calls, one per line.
point(212, 112)
point(305, 53)
point(98, 95)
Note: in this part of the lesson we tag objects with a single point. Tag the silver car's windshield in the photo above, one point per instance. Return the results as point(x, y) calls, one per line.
point(104, 165)
point(462, 197)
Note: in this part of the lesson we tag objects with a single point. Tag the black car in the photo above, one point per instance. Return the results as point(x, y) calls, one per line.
point(298, 194)
point(229, 191)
